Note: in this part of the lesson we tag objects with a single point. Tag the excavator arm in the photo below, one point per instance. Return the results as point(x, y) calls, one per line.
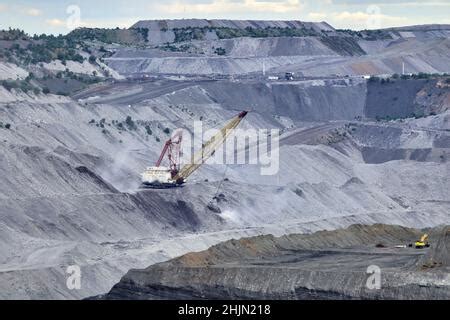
point(208, 149)
point(423, 242)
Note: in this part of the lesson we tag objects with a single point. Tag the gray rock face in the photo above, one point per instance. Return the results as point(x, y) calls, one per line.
point(298, 101)
point(323, 265)
point(402, 97)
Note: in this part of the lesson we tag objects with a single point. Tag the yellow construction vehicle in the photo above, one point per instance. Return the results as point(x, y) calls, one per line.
point(422, 243)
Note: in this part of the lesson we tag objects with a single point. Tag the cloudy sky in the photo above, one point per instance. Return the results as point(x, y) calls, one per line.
point(52, 16)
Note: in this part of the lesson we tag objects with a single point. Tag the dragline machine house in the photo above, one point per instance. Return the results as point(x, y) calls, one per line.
point(172, 176)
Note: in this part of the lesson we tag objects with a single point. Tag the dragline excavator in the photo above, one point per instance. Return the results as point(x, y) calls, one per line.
point(173, 176)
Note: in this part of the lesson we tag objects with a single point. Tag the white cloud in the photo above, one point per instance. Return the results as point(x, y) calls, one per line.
point(364, 20)
point(97, 23)
point(422, 3)
point(317, 16)
point(230, 6)
point(55, 22)
point(112, 23)
point(34, 12)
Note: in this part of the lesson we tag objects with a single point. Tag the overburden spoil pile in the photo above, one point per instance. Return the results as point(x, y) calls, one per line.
point(324, 265)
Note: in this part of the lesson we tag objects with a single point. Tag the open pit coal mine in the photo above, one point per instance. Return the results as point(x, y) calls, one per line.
point(363, 166)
